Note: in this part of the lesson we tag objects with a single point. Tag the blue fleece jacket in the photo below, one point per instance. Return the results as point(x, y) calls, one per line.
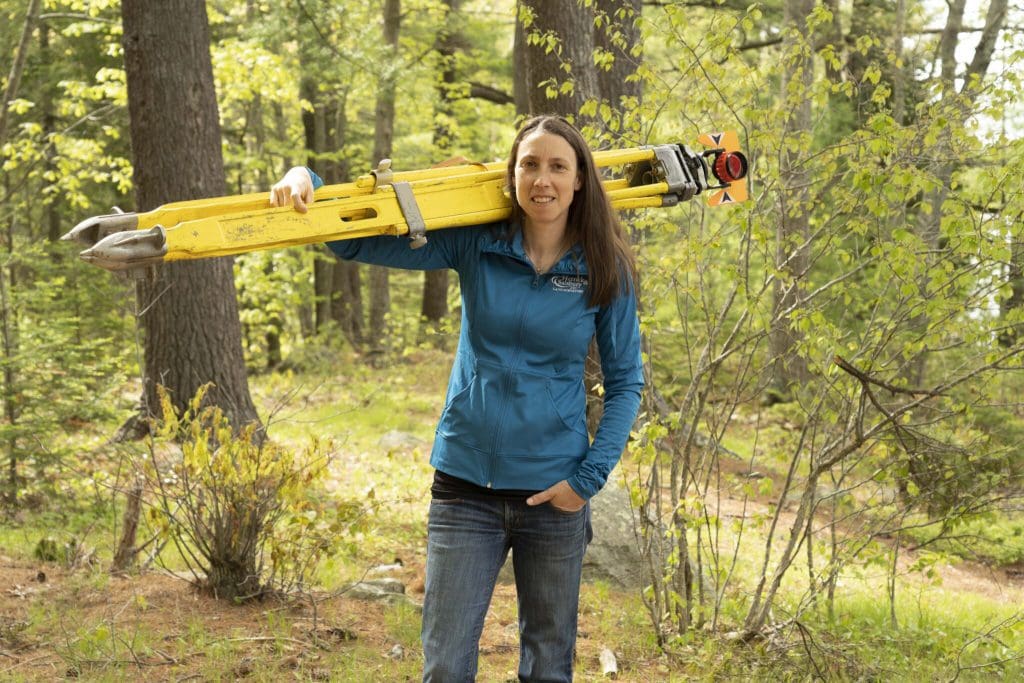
point(515, 412)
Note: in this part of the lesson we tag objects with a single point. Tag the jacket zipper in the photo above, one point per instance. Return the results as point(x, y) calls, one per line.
point(507, 385)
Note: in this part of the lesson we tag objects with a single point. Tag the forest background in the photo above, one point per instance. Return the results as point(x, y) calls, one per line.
point(833, 419)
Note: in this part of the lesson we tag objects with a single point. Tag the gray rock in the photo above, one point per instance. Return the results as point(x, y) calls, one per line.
point(389, 591)
point(396, 440)
point(371, 589)
point(612, 555)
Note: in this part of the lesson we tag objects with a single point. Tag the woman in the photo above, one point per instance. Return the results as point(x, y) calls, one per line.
point(514, 466)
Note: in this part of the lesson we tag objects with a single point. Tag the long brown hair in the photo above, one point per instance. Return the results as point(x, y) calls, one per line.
point(592, 221)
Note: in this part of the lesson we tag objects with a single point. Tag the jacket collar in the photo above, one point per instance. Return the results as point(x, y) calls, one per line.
point(572, 263)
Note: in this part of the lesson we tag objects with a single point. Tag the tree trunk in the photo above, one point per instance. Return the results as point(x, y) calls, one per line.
point(793, 233)
point(9, 341)
point(255, 137)
point(326, 134)
point(383, 136)
point(619, 35)
point(189, 312)
point(521, 86)
point(447, 43)
point(18, 65)
point(304, 310)
point(1013, 331)
point(312, 124)
point(573, 28)
point(323, 285)
point(54, 228)
point(274, 328)
point(380, 305)
point(124, 558)
point(929, 222)
point(900, 74)
point(434, 307)
point(347, 306)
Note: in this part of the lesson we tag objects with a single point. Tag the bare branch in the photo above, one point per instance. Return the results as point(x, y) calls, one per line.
point(489, 93)
point(74, 16)
point(868, 379)
point(757, 45)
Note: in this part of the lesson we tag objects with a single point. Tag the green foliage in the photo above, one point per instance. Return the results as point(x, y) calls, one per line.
point(247, 516)
point(68, 145)
point(272, 286)
point(60, 367)
point(891, 266)
point(994, 538)
point(66, 349)
point(284, 72)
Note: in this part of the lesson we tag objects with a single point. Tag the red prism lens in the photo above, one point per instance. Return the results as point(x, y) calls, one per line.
point(729, 167)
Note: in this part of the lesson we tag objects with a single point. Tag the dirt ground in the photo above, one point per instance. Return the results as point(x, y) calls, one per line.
point(156, 627)
point(169, 613)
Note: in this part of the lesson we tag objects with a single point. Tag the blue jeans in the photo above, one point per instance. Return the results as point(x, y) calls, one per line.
point(467, 542)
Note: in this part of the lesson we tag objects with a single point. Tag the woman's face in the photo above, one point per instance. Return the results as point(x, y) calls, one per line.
point(546, 178)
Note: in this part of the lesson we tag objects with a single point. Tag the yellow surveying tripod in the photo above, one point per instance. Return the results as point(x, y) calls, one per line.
point(397, 203)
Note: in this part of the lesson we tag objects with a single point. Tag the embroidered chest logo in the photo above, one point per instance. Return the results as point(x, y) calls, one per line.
point(571, 284)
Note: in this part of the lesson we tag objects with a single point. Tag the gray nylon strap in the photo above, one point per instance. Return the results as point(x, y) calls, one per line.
point(413, 217)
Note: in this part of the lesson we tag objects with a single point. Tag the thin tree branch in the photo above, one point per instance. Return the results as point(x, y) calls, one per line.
point(75, 17)
point(489, 93)
point(18, 66)
point(868, 379)
point(757, 45)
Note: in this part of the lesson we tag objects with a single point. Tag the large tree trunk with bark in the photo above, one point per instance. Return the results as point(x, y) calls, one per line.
point(572, 29)
point(189, 311)
point(619, 35)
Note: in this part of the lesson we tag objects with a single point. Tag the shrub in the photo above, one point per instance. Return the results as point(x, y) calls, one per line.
point(247, 516)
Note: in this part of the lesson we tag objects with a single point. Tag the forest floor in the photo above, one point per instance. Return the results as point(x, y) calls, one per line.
point(61, 623)
point(58, 624)
point(155, 626)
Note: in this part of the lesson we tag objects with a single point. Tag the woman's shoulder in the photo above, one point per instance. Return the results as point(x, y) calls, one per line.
point(464, 245)
point(483, 236)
